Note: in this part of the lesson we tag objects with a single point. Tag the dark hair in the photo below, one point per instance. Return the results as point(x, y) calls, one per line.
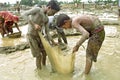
point(61, 18)
point(54, 5)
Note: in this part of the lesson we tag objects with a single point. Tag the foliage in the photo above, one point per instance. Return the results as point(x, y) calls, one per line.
point(44, 2)
point(114, 2)
point(27, 2)
point(6, 4)
point(76, 1)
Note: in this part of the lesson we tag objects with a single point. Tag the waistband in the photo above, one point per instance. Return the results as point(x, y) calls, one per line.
point(98, 29)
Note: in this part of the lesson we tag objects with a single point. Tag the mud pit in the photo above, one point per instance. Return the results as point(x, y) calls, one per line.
point(20, 65)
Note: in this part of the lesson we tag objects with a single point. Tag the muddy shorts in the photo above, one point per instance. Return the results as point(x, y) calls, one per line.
point(8, 26)
point(36, 45)
point(94, 45)
point(1, 28)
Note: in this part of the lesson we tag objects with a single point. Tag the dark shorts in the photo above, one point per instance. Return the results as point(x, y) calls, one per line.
point(94, 45)
point(8, 26)
point(36, 46)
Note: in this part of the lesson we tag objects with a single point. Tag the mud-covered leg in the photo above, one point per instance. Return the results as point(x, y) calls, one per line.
point(44, 58)
point(38, 62)
point(88, 65)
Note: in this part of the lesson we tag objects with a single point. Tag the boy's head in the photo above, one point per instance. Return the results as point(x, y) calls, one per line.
point(64, 21)
point(53, 7)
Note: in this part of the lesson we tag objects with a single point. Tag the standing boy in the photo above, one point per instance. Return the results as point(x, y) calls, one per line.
point(38, 17)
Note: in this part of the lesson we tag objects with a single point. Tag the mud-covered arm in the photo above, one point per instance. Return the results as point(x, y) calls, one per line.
point(49, 37)
point(26, 14)
point(5, 28)
point(16, 25)
point(85, 35)
point(61, 34)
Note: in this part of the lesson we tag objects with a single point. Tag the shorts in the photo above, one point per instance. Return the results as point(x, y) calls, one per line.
point(94, 45)
point(8, 26)
point(36, 46)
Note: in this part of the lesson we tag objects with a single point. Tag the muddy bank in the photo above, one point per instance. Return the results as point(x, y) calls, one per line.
point(10, 49)
point(25, 45)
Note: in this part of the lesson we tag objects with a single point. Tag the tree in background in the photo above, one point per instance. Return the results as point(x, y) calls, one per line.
point(27, 2)
point(114, 2)
point(33, 2)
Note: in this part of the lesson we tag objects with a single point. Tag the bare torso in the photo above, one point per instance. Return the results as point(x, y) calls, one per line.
point(88, 22)
point(85, 24)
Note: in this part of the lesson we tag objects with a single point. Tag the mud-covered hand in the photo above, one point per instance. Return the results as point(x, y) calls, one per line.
point(37, 27)
point(75, 48)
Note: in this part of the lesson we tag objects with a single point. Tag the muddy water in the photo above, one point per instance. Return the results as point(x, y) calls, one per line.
point(21, 65)
point(14, 41)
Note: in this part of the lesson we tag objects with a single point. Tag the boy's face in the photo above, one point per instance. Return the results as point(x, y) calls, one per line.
point(67, 24)
point(51, 11)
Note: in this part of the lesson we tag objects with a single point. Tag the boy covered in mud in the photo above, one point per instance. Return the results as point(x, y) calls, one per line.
point(7, 21)
point(54, 26)
point(37, 18)
point(91, 29)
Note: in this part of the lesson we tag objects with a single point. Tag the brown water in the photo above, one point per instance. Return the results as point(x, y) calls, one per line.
point(21, 65)
point(14, 41)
